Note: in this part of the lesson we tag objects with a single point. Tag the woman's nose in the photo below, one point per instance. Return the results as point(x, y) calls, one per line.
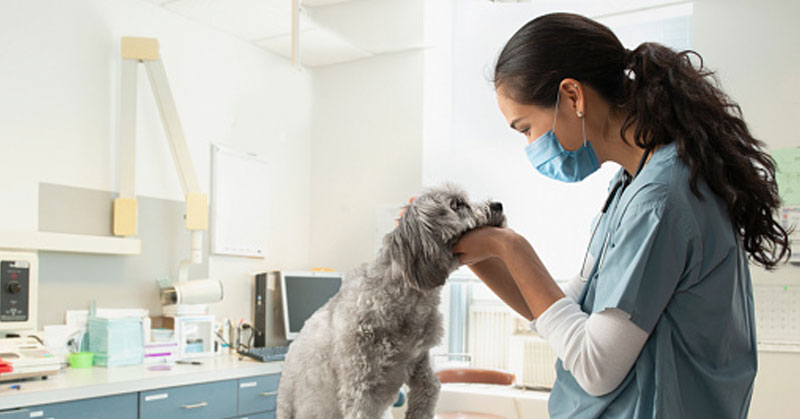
point(496, 206)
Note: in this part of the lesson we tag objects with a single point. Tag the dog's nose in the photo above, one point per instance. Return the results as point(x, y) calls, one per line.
point(496, 206)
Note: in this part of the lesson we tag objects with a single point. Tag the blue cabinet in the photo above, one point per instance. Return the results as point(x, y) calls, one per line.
point(214, 400)
point(258, 394)
point(245, 398)
point(123, 406)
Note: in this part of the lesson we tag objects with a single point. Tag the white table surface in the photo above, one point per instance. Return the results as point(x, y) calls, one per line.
point(75, 384)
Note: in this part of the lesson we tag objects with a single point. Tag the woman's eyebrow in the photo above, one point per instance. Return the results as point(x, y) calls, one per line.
point(513, 124)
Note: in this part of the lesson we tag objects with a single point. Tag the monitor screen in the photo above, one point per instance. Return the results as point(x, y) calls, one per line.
point(304, 293)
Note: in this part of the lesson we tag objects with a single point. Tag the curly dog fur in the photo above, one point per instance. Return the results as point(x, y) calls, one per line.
point(353, 355)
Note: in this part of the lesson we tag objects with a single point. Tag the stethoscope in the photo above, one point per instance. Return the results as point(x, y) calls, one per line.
point(619, 186)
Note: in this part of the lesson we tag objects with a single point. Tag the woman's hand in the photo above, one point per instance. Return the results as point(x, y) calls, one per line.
point(481, 244)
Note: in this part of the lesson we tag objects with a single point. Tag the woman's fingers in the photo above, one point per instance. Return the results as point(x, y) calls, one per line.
point(465, 259)
point(480, 244)
point(403, 211)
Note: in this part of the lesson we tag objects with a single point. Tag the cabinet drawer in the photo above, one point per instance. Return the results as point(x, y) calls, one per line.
point(111, 407)
point(258, 394)
point(210, 400)
point(262, 415)
point(23, 414)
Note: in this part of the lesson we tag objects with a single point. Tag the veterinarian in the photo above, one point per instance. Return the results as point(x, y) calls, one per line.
point(659, 323)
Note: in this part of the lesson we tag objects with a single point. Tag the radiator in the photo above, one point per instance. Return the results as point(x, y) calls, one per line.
point(532, 361)
point(498, 339)
point(490, 326)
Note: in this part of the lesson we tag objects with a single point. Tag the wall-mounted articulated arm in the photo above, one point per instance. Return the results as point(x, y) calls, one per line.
point(125, 206)
point(145, 50)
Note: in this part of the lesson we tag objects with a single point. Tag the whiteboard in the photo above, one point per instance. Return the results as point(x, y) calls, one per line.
point(239, 203)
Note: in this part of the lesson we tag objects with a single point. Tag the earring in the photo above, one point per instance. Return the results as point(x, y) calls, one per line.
point(580, 114)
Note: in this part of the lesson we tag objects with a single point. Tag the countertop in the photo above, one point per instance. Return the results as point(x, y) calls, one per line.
point(75, 384)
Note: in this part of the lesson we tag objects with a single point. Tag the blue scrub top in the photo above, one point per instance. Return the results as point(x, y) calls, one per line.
point(674, 263)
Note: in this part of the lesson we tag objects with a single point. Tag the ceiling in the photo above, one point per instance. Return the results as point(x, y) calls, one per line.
point(331, 31)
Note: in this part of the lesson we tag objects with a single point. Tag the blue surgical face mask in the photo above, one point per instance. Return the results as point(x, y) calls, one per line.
point(550, 158)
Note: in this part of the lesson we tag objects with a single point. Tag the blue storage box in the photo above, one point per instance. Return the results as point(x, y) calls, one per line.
point(117, 341)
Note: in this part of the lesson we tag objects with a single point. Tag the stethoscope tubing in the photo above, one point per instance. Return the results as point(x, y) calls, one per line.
point(619, 186)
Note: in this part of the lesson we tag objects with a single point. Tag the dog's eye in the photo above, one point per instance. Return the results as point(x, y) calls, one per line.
point(457, 204)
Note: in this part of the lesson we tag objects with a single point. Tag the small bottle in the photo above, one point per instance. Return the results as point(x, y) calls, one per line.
point(236, 337)
point(220, 337)
point(227, 333)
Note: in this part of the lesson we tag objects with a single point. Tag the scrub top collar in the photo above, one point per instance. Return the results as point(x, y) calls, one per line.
point(626, 180)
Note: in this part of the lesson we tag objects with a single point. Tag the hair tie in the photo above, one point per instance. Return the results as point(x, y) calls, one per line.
point(628, 57)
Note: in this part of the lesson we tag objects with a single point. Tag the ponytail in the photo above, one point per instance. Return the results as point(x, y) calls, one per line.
point(670, 99)
point(666, 98)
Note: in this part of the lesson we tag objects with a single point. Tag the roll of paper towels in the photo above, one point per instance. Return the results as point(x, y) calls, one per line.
point(198, 291)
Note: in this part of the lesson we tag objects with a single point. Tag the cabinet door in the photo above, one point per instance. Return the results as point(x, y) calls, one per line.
point(258, 394)
point(123, 406)
point(210, 400)
point(14, 414)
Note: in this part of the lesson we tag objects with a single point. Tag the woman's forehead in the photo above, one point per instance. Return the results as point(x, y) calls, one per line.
point(513, 110)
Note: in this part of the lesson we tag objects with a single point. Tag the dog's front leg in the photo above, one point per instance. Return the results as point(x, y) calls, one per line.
point(357, 391)
point(359, 404)
point(423, 389)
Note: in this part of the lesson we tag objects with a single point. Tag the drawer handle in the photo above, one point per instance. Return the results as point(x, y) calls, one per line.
point(195, 406)
point(271, 393)
point(154, 397)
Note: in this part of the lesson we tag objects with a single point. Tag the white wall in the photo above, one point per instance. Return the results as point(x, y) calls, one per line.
point(60, 80)
point(367, 152)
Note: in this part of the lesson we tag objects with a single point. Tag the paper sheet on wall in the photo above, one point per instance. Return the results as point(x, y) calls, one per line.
point(788, 174)
point(239, 203)
point(790, 218)
point(788, 178)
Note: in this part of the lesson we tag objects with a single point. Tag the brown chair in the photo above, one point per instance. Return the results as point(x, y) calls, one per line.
point(472, 375)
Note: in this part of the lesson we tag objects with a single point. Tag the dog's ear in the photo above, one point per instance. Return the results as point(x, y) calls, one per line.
point(421, 259)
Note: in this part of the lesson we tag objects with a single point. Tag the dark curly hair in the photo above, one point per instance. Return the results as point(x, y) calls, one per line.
point(665, 98)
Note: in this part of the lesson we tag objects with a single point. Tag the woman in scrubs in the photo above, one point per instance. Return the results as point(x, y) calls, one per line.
point(659, 323)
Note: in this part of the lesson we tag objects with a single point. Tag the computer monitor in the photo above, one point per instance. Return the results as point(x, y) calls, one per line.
point(302, 294)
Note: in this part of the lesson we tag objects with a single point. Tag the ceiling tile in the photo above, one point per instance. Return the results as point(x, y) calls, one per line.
point(318, 47)
point(246, 19)
point(376, 26)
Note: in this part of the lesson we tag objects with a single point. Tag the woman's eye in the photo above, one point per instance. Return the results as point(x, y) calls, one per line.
point(526, 131)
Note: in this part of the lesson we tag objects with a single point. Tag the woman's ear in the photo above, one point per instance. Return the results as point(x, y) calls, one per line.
point(573, 94)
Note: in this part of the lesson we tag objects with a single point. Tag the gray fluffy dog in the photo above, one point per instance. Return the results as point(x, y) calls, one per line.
point(353, 355)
